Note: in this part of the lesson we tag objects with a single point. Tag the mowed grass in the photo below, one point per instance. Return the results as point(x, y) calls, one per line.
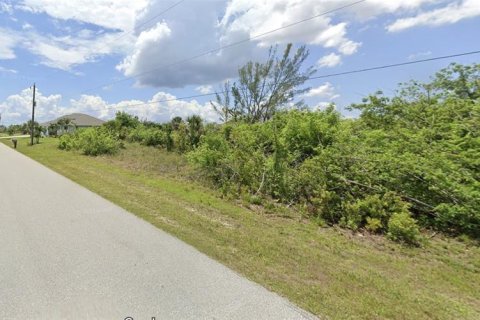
point(327, 271)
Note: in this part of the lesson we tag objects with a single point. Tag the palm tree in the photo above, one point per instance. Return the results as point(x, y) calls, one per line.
point(195, 129)
point(64, 124)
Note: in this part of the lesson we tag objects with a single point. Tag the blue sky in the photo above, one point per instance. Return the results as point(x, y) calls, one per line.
point(77, 50)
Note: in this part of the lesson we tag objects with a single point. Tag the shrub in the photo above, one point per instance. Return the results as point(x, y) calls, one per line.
point(68, 142)
point(92, 141)
point(154, 137)
point(374, 211)
point(373, 225)
point(403, 228)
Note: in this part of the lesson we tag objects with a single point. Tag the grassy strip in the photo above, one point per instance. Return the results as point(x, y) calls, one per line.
point(327, 271)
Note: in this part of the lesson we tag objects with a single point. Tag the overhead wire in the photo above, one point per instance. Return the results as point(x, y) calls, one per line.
point(311, 78)
point(205, 53)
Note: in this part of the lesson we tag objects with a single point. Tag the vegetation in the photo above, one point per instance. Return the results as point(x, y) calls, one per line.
point(407, 169)
point(264, 88)
point(413, 158)
point(329, 271)
point(91, 141)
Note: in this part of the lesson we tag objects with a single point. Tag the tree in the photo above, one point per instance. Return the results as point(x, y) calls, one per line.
point(64, 124)
point(461, 81)
point(195, 129)
point(53, 129)
point(222, 105)
point(264, 88)
point(175, 123)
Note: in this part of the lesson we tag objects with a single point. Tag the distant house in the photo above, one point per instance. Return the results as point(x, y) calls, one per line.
point(71, 122)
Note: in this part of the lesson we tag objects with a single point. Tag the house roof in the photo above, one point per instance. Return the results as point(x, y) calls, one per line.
point(80, 120)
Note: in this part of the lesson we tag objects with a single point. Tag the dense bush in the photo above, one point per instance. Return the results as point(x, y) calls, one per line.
point(403, 228)
point(92, 142)
point(148, 136)
point(408, 159)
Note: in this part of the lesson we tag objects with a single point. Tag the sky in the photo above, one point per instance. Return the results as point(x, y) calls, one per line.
point(103, 56)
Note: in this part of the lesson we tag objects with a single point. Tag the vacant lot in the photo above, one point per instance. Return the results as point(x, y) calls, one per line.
point(327, 271)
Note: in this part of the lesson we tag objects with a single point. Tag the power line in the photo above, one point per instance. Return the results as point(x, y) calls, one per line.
point(227, 46)
point(149, 20)
point(311, 78)
point(393, 65)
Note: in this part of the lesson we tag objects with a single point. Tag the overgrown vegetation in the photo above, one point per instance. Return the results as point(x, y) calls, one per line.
point(331, 272)
point(406, 162)
point(91, 142)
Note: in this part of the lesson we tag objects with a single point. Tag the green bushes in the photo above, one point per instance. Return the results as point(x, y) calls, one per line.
point(403, 228)
point(148, 136)
point(359, 173)
point(92, 142)
point(408, 160)
point(373, 212)
point(177, 135)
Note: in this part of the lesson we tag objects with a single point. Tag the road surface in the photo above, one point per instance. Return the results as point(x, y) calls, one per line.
point(67, 253)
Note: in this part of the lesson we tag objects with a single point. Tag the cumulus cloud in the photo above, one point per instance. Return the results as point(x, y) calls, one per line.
point(154, 59)
point(162, 107)
point(449, 14)
point(160, 53)
point(258, 17)
point(164, 60)
point(204, 89)
point(329, 61)
point(325, 90)
point(17, 108)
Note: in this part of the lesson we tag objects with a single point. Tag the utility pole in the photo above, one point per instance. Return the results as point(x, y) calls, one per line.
point(32, 131)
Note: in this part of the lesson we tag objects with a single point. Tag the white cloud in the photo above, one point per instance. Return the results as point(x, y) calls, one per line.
point(8, 41)
point(200, 26)
point(145, 48)
point(449, 14)
point(329, 61)
point(61, 52)
point(162, 107)
point(17, 108)
point(118, 14)
point(163, 61)
point(373, 8)
point(6, 70)
point(258, 17)
point(204, 89)
point(27, 26)
point(325, 90)
point(419, 55)
point(169, 108)
point(75, 47)
point(6, 6)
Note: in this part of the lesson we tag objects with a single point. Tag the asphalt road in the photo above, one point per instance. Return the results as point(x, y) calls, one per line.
point(67, 253)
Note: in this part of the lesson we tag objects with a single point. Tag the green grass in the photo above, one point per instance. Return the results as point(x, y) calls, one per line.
point(328, 271)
